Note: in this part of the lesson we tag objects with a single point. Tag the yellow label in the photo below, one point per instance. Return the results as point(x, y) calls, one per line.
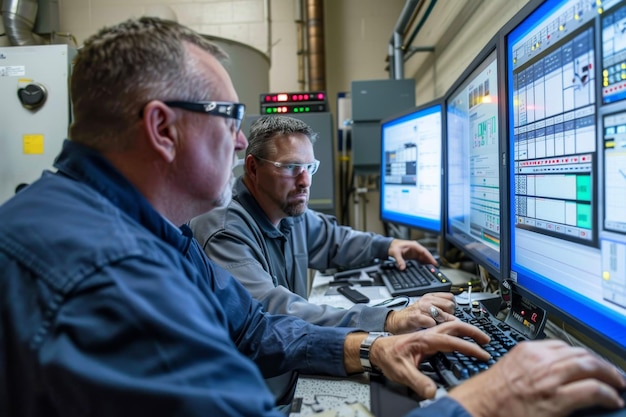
point(33, 144)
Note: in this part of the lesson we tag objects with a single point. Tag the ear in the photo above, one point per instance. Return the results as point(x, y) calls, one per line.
point(160, 128)
point(251, 167)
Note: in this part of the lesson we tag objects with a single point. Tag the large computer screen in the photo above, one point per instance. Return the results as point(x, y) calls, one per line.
point(411, 184)
point(472, 162)
point(567, 145)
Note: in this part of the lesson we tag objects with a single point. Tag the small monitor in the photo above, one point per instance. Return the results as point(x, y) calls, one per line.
point(472, 163)
point(567, 168)
point(411, 184)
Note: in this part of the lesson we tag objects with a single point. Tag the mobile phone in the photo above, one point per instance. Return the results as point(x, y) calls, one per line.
point(353, 295)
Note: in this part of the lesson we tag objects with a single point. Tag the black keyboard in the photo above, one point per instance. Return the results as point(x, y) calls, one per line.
point(454, 367)
point(415, 280)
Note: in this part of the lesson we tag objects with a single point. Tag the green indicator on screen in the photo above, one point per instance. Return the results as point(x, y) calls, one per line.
point(583, 216)
point(583, 187)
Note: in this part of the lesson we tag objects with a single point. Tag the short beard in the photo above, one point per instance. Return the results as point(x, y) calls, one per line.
point(293, 210)
point(227, 195)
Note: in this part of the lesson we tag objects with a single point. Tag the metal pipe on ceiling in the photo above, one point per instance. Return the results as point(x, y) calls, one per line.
point(396, 61)
point(397, 49)
point(316, 49)
point(419, 26)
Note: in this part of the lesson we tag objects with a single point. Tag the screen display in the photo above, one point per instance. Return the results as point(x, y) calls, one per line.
point(614, 54)
point(411, 168)
point(567, 165)
point(472, 165)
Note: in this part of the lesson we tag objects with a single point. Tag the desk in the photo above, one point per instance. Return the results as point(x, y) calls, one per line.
point(324, 396)
point(320, 293)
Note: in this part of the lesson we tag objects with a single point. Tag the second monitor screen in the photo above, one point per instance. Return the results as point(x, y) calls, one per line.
point(472, 165)
point(411, 168)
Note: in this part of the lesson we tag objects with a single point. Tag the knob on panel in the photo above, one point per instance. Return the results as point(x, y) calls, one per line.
point(32, 96)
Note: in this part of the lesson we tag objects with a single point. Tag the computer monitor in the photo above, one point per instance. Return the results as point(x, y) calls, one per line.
point(567, 167)
point(472, 166)
point(411, 178)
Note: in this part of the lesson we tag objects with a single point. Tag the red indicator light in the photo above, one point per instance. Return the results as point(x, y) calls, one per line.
point(282, 97)
point(320, 96)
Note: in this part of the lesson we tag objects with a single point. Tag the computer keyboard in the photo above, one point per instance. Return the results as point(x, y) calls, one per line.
point(454, 367)
point(415, 280)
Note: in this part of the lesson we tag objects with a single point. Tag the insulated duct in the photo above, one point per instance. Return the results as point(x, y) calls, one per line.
point(315, 36)
point(19, 17)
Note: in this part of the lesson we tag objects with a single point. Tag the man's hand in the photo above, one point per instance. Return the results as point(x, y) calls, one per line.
point(398, 356)
point(409, 249)
point(418, 315)
point(541, 379)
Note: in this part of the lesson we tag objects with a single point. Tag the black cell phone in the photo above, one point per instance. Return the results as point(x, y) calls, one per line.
point(353, 295)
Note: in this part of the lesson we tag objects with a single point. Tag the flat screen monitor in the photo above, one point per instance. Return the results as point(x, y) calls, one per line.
point(567, 148)
point(472, 163)
point(411, 184)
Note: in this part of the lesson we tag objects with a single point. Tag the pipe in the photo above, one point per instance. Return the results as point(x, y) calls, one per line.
point(301, 47)
point(396, 60)
point(47, 21)
point(18, 17)
point(317, 59)
point(421, 23)
point(398, 57)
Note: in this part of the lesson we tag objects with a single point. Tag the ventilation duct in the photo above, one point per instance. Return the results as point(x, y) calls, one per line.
point(19, 18)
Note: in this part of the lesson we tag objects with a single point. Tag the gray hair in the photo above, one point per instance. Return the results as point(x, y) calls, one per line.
point(266, 128)
point(123, 67)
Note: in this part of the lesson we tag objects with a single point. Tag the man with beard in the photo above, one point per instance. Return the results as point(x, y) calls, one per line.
point(268, 238)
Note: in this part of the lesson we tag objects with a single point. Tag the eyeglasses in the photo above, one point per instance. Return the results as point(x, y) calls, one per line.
point(216, 108)
point(293, 170)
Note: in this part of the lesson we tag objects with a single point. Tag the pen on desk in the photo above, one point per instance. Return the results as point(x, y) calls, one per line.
point(469, 293)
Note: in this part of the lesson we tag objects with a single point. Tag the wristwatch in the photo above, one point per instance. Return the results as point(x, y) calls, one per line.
point(364, 351)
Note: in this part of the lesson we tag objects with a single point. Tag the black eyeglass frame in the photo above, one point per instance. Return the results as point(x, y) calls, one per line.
point(225, 109)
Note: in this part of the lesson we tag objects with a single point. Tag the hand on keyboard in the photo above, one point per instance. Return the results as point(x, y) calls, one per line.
point(418, 315)
point(401, 250)
point(398, 356)
point(544, 378)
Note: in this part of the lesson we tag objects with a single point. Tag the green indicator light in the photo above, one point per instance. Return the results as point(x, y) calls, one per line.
point(295, 110)
point(307, 109)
